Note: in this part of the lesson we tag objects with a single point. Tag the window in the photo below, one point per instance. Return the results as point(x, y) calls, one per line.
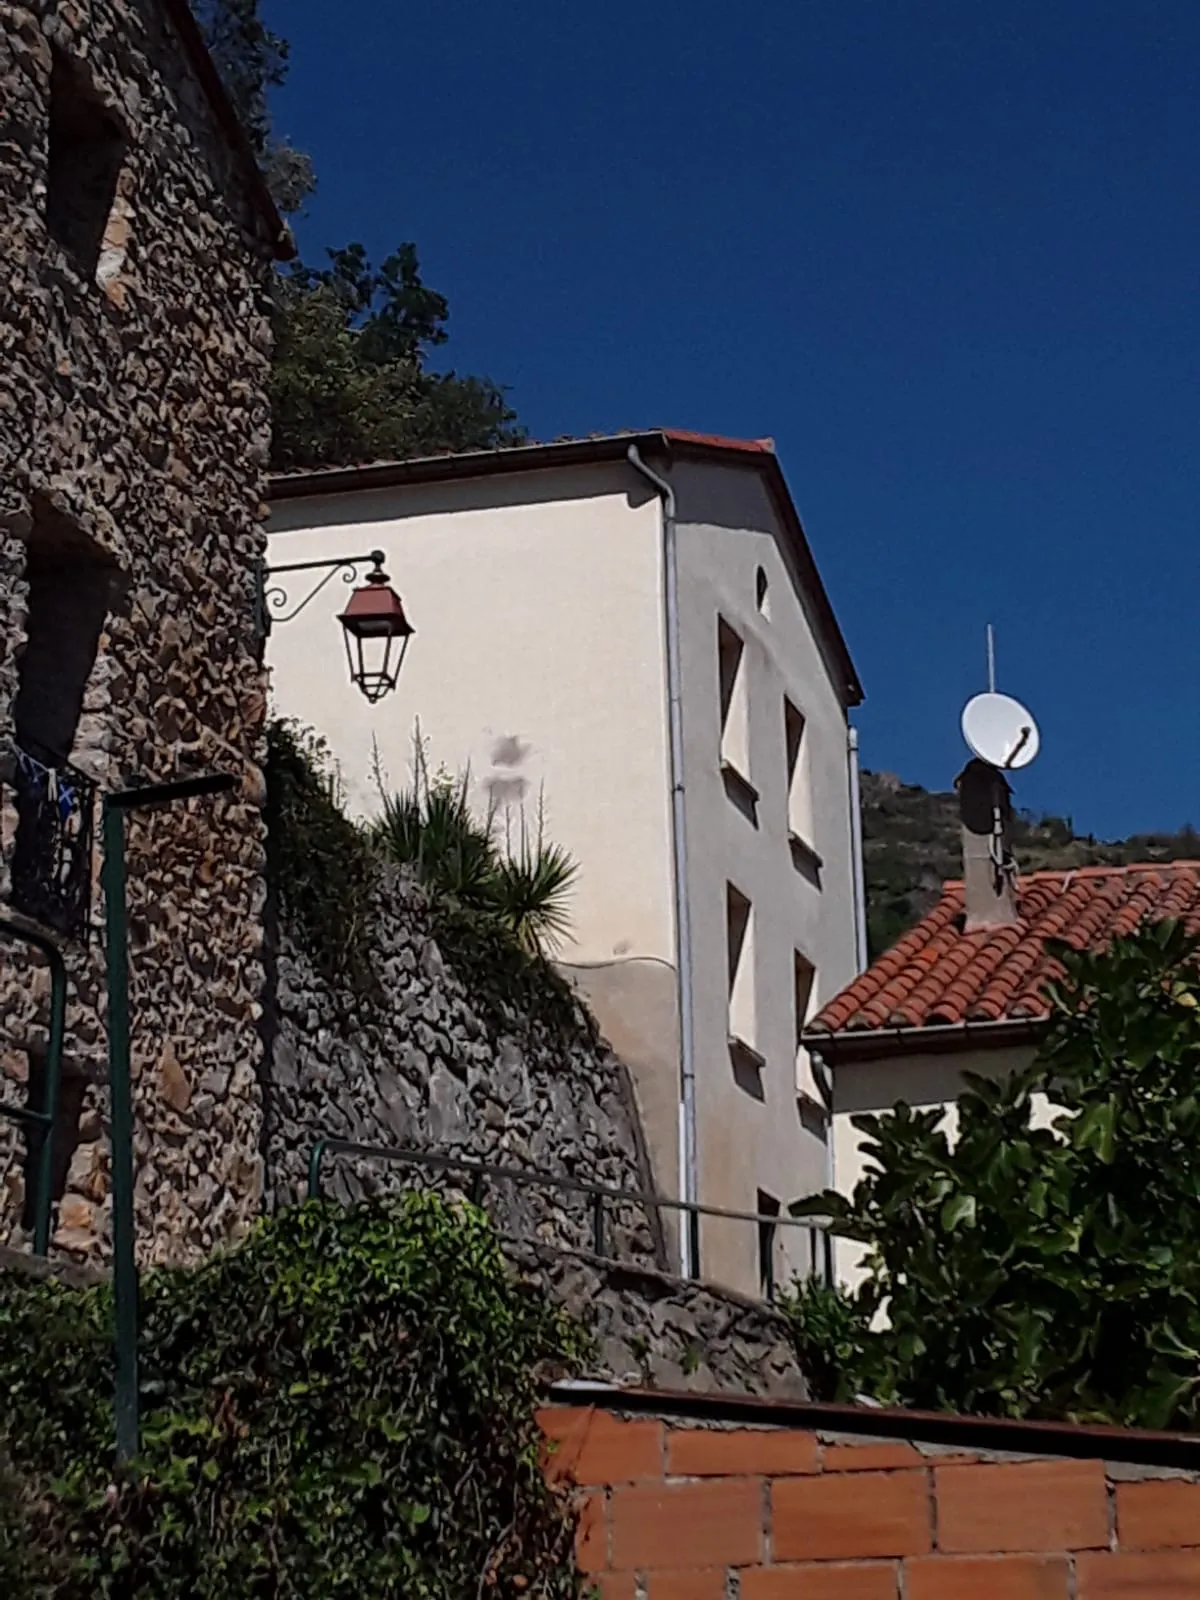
point(739, 939)
point(740, 945)
point(767, 1207)
point(762, 593)
point(735, 722)
point(69, 589)
point(65, 1133)
point(799, 797)
point(735, 710)
point(799, 808)
point(87, 149)
point(804, 978)
point(70, 585)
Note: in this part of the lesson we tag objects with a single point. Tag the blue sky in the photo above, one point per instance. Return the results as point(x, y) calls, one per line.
point(944, 252)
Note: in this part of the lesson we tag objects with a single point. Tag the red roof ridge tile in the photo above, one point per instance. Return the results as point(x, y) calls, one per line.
point(720, 441)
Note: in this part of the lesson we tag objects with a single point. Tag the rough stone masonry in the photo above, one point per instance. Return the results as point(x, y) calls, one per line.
point(430, 1064)
point(135, 248)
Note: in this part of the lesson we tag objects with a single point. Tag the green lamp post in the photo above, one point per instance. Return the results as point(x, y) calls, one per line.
point(125, 1281)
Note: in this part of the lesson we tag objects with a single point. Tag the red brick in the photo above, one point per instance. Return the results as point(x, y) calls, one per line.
point(596, 1448)
point(740, 1452)
point(1166, 1575)
point(875, 1580)
point(591, 1534)
point(708, 1584)
point(851, 1516)
point(988, 1578)
point(873, 1457)
point(1026, 1505)
point(557, 1421)
point(883, 1455)
point(711, 1524)
point(1156, 1514)
point(613, 1586)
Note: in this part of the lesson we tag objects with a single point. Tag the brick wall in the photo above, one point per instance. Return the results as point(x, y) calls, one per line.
point(680, 1512)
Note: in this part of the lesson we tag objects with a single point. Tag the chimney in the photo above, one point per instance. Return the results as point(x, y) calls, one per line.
point(989, 869)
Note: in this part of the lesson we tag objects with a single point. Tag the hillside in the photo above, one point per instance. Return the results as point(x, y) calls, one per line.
point(911, 845)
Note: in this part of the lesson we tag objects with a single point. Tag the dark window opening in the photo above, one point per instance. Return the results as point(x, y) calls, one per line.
point(768, 1208)
point(737, 925)
point(70, 588)
point(729, 665)
point(87, 149)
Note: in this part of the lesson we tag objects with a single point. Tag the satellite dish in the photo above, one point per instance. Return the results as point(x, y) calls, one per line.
point(998, 729)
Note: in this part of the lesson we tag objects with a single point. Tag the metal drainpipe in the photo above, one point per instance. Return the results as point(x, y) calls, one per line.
point(856, 855)
point(689, 1224)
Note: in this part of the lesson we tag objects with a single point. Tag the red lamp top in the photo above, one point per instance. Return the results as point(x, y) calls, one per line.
point(375, 610)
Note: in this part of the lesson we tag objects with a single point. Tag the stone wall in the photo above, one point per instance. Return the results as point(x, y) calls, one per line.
point(430, 1064)
point(437, 1062)
point(134, 342)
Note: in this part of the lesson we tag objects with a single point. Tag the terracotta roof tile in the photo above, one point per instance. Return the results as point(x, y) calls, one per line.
point(937, 975)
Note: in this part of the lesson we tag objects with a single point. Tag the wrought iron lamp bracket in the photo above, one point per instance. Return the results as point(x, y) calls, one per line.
point(274, 600)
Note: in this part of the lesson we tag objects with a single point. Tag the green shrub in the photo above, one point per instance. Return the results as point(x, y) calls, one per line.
point(1028, 1270)
point(831, 1335)
point(342, 1407)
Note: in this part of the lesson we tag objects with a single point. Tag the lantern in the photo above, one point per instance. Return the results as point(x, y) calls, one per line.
point(377, 633)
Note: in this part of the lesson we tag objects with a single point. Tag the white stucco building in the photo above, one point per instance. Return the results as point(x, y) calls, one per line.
point(633, 628)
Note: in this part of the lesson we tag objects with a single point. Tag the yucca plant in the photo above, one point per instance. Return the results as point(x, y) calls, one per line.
point(523, 881)
point(430, 828)
point(533, 883)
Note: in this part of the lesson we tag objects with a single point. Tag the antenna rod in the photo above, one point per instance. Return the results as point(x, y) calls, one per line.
point(991, 653)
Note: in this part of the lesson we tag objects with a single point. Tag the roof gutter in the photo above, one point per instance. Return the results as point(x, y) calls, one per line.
point(871, 1044)
point(688, 1175)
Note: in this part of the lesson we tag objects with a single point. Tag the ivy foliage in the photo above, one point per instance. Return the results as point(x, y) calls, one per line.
point(1051, 1271)
point(341, 1407)
point(320, 864)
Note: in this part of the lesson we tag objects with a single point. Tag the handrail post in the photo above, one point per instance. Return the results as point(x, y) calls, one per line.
point(125, 1284)
point(314, 1168)
point(51, 1088)
point(47, 1113)
point(120, 1089)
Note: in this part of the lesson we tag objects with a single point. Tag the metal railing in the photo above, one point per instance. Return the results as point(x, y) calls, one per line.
point(52, 853)
point(40, 1123)
point(602, 1197)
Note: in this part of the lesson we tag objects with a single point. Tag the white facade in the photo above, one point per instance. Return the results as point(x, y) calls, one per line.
point(923, 1080)
point(540, 661)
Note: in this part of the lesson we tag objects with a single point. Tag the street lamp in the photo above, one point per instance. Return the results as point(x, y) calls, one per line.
point(373, 623)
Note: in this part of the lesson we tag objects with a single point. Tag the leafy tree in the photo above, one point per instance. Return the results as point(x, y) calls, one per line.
point(350, 381)
point(1048, 1271)
point(252, 60)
